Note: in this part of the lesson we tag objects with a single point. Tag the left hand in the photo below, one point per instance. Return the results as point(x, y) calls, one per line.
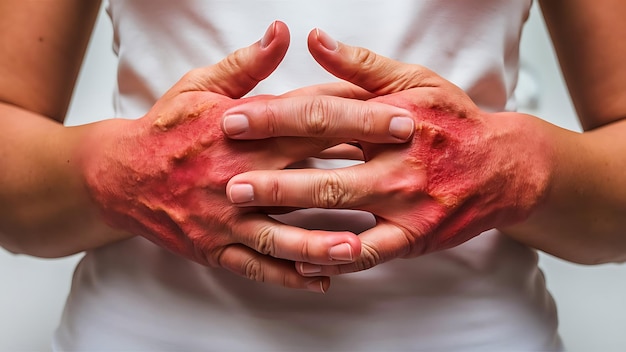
point(464, 172)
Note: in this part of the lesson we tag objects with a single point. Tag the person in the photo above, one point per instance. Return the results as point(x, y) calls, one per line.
point(442, 162)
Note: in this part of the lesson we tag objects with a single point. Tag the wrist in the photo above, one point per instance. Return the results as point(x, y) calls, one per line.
point(528, 159)
point(93, 145)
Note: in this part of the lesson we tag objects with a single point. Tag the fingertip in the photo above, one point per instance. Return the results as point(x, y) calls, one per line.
point(308, 269)
point(241, 193)
point(319, 285)
point(325, 40)
point(401, 127)
point(277, 32)
point(346, 251)
point(341, 252)
point(235, 124)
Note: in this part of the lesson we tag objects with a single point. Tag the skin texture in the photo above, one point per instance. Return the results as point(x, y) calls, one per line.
point(465, 170)
point(44, 209)
point(49, 188)
point(69, 189)
point(164, 176)
point(428, 194)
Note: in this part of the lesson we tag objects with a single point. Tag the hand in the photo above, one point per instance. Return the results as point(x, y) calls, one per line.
point(164, 176)
point(465, 170)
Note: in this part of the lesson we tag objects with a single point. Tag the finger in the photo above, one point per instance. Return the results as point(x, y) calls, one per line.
point(250, 264)
point(380, 244)
point(337, 89)
point(343, 151)
point(243, 69)
point(273, 238)
point(375, 73)
point(346, 151)
point(344, 188)
point(319, 116)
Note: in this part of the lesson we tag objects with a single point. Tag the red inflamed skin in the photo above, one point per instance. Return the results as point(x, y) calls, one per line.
point(463, 171)
point(164, 175)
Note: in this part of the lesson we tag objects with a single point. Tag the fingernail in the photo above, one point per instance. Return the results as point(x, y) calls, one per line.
point(341, 252)
point(327, 41)
point(268, 36)
point(241, 193)
point(316, 286)
point(307, 268)
point(235, 124)
point(401, 127)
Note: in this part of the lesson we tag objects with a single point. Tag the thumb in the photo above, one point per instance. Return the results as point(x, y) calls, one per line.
point(375, 73)
point(243, 69)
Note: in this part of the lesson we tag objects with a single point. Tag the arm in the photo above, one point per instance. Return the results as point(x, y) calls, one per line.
point(44, 208)
point(582, 219)
point(162, 176)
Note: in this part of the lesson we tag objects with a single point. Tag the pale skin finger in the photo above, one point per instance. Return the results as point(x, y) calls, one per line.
point(380, 244)
point(276, 239)
point(364, 68)
point(240, 71)
point(319, 116)
point(360, 187)
point(346, 188)
point(257, 267)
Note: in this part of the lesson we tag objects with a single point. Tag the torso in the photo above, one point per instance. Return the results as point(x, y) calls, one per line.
point(487, 294)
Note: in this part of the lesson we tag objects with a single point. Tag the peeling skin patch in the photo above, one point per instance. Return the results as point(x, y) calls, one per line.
point(172, 118)
point(165, 176)
point(468, 164)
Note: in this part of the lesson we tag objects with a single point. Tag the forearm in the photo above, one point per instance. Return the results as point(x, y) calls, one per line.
point(582, 217)
point(45, 209)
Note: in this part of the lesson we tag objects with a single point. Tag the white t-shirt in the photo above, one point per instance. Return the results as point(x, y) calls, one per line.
point(486, 294)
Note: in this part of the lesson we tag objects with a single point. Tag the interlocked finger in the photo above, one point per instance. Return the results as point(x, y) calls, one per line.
point(250, 264)
point(345, 188)
point(380, 244)
point(319, 116)
point(270, 237)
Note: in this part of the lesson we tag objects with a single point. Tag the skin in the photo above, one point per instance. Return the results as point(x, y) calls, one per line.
point(163, 176)
point(427, 195)
point(467, 170)
point(66, 210)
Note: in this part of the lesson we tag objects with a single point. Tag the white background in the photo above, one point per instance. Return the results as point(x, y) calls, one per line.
point(591, 300)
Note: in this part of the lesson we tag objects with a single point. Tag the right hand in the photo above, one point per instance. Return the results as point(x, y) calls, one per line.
point(164, 176)
point(464, 172)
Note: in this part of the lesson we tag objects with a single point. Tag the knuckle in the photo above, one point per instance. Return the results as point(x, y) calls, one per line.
point(367, 123)
point(331, 192)
point(271, 120)
point(276, 192)
point(253, 270)
point(406, 188)
point(316, 121)
point(264, 242)
point(232, 61)
point(305, 253)
point(239, 61)
point(365, 58)
point(370, 257)
point(363, 61)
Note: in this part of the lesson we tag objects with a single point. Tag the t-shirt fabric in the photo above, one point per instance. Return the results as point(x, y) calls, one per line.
point(485, 295)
